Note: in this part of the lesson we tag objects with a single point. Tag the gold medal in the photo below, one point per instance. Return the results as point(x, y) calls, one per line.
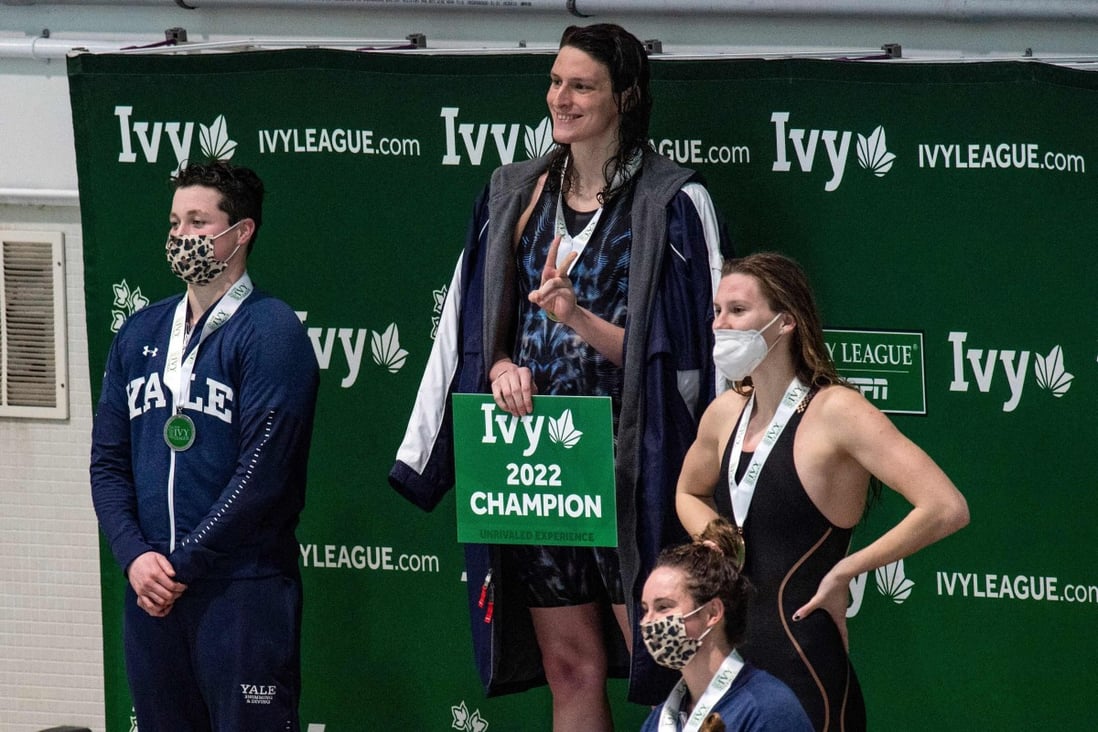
point(741, 550)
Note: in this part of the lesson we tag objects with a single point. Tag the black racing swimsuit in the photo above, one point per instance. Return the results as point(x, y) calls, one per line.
point(790, 547)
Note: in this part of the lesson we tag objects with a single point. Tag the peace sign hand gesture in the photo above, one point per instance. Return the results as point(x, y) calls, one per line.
point(556, 296)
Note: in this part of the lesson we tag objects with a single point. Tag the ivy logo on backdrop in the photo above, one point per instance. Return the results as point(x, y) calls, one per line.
point(385, 348)
point(886, 366)
point(147, 138)
point(439, 296)
point(467, 721)
point(476, 137)
point(989, 366)
point(891, 582)
point(871, 150)
point(126, 303)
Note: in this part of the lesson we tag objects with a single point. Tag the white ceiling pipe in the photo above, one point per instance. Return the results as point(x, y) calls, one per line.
point(34, 48)
point(44, 49)
point(953, 10)
point(39, 197)
point(420, 5)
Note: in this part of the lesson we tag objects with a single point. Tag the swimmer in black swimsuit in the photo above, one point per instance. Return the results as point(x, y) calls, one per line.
point(802, 448)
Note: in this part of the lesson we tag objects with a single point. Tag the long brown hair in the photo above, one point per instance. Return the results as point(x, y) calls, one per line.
point(785, 286)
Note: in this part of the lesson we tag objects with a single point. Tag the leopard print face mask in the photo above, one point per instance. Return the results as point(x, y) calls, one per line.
point(667, 642)
point(192, 257)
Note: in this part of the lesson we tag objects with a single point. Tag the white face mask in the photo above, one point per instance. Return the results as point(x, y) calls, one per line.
point(739, 352)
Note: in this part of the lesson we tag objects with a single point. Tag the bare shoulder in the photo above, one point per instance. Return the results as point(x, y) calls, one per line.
point(720, 415)
point(725, 409)
point(837, 402)
point(849, 418)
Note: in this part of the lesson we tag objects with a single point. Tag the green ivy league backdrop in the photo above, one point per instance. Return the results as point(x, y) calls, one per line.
point(951, 201)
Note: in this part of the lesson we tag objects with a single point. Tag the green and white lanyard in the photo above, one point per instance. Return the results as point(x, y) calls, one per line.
point(718, 685)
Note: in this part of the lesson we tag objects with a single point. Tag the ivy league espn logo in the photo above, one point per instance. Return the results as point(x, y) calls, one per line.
point(887, 366)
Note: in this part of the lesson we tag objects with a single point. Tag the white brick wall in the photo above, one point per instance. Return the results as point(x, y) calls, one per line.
point(51, 648)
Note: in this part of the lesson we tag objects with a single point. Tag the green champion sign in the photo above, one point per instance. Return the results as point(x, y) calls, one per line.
point(886, 366)
point(547, 478)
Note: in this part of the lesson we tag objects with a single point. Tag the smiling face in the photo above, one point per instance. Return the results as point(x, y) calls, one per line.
point(581, 100)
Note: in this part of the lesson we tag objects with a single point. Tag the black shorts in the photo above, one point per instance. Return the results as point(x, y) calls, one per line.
point(564, 576)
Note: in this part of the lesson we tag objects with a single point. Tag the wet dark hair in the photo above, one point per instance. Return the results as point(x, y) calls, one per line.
point(714, 573)
point(241, 190)
point(627, 63)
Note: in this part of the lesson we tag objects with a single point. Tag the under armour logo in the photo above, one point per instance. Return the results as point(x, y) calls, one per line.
point(146, 351)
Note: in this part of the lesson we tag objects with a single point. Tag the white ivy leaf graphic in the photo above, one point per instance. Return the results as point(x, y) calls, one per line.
point(1051, 374)
point(476, 723)
point(126, 303)
point(121, 294)
point(440, 302)
point(137, 301)
point(461, 716)
point(386, 349)
point(873, 154)
point(440, 298)
point(892, 583)
point(215, 140)
point(563, 432)
point(539, 140)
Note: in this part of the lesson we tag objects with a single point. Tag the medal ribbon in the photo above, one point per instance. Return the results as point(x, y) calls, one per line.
point(743, 491)
point(177, 370)
point(718, 685)
point(569, 243)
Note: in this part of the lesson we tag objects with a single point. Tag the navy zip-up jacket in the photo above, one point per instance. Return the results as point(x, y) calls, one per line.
point(228, 506)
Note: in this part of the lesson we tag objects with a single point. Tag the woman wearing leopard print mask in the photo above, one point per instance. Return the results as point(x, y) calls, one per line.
point(695, 614)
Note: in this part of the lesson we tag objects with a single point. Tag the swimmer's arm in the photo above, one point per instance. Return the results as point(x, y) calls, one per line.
point(700, 475)
point(870, 437)
point(862, 431)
